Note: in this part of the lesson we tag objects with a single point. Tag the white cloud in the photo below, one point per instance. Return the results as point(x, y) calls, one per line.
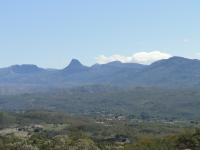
point(198, 54)
point(140, 57)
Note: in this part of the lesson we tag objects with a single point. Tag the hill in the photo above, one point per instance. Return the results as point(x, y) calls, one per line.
point(172, 72)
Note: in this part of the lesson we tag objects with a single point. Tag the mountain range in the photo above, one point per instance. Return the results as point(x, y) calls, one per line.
point(167, 88)
point(172, 72)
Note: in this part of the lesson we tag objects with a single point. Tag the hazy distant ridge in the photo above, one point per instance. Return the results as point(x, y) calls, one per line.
point(175, 71)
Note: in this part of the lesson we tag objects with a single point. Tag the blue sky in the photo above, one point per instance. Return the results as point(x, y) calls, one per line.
point(49, 33)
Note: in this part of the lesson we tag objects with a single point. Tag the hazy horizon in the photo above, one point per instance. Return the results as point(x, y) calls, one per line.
point(67, 64)
point(49, 34)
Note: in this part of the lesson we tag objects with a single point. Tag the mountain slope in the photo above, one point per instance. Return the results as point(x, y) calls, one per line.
point(172, 72)
point(75, 67)
point(175, 71)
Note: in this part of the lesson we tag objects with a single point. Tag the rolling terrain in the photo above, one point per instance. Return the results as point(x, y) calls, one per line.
point(172, 72)
point(165, 89)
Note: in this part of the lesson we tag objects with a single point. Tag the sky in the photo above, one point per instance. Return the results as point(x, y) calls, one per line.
point(49, 33)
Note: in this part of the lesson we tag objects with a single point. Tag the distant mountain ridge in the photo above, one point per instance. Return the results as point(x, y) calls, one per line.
point(75, 67)
point(172, 72)
point(25, 69)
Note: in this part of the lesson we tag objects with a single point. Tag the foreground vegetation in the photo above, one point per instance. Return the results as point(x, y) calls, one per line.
point(47, 130)
point(100, 117)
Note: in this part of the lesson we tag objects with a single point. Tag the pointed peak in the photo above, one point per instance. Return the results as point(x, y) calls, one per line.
point(75, 61)
point(75, 66)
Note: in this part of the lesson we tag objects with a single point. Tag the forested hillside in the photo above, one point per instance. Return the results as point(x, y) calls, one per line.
point(182, 104)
